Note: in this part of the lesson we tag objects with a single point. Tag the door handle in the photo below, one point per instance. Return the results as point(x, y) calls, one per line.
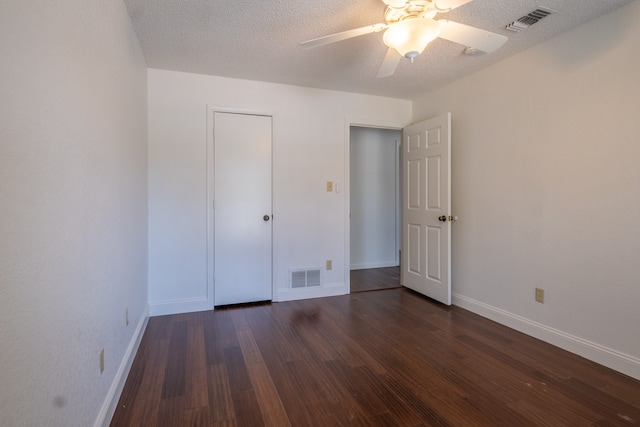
point(442, 218)
point(266, 217)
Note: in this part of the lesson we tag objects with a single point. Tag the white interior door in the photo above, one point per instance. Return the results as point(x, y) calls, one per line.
point(242, 208)
point(426, 211)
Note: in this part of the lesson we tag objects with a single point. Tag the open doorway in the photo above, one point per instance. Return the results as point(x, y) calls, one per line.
point(374, 200)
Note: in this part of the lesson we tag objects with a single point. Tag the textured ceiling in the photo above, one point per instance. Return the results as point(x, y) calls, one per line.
point(258, 40)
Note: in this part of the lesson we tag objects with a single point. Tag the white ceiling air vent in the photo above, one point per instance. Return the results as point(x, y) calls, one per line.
point(529, 19)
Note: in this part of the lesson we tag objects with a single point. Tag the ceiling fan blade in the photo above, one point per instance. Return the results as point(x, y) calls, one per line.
point(332, 38)
point(447, 5)
point(389, 64)
point(466, 35)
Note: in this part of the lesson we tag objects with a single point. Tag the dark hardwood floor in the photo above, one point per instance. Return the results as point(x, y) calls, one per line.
point(375, 279)
point(387, 358)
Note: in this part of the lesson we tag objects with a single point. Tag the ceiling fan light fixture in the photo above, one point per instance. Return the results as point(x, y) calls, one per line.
point(410, 36)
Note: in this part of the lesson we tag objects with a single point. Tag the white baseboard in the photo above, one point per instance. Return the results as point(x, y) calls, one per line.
point(374, 265)
point(109, 405)
point(188, 305)
point(327, 290)
point(621, 362)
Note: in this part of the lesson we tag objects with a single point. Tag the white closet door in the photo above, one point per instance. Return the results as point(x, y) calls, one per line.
point(242, 208)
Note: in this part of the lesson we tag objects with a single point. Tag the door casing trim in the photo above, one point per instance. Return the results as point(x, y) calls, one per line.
point(348, 123)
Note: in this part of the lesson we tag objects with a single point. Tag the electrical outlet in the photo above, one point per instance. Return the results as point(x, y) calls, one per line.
point(126, 317)
point(540, 295)
point(328, 264)
point(329, 186)
point(101, 361)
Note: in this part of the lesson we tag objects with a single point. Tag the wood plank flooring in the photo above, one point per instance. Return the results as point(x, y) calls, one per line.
point(374, 279)
point(387, 358)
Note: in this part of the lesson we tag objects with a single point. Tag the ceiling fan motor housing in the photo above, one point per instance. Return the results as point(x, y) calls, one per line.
point(410, 9)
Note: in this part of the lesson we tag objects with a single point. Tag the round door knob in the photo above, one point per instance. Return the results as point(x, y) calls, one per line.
point(266, 217)
point(442, 218)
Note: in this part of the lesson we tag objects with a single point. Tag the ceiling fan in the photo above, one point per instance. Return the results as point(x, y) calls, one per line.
point(410, 26)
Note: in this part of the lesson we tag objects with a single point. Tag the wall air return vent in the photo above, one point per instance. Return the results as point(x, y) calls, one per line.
point(529, 19)
point(305, 278)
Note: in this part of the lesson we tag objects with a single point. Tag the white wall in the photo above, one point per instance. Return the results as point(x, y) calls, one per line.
point(546, 182)
point(310, 148)
point(72, 208)
point(374, 189)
